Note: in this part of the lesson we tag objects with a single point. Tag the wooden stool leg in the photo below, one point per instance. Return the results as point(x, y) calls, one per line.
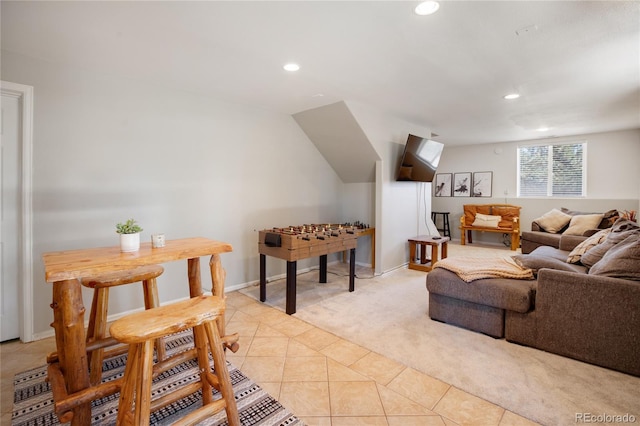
point(97, 331)
point(218, 276)
point(200, 341)
point(412, 252)
point(447, 228)
point(151, 300)
point(92, 317)
point(143, 384)
point(222, 372)
point(125, 404)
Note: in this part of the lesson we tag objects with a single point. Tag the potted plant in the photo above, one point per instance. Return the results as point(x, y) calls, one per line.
point(129, 235)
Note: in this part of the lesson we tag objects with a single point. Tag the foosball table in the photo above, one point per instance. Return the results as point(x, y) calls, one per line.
point(294, 243)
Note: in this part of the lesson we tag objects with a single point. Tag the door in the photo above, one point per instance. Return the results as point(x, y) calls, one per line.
point(10, 125)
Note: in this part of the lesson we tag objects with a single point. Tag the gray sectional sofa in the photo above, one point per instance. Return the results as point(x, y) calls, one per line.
point(587, 312)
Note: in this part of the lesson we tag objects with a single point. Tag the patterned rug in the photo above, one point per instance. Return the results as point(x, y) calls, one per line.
point(33, 400)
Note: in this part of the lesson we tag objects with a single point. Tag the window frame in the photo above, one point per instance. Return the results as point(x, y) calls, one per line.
point(549, 192)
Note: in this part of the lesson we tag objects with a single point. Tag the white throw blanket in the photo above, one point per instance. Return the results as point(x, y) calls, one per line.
point(471, 269)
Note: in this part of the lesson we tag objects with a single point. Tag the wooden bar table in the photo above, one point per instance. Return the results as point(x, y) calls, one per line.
point(65, 268)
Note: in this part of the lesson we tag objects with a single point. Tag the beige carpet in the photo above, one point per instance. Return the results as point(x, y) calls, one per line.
point(388, 314)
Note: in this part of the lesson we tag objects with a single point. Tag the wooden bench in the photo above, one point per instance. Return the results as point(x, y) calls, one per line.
point(509, 222)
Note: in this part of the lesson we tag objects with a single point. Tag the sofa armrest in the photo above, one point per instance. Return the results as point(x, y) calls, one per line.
point(536, 227)
point(591, 318)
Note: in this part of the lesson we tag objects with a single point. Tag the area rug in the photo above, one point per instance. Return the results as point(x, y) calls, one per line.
point(33, 400)
point(389, 314)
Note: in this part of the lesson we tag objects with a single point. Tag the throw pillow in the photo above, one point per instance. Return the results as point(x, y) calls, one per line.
point(581, 223)
point(620, 230)
point(553, 221)
point(533, 262)
point(470, 211)
point(622, 261)
point(592, 241)
point(486, 221)
point(609, 219)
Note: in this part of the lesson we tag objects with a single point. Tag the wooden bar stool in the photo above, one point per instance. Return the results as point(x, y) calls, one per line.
point(446, 229)
point(96, 333)
point(140, 330)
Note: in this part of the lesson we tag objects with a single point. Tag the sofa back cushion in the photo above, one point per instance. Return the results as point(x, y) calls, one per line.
point(620, 230)
point(508, 215)
point(621, 261)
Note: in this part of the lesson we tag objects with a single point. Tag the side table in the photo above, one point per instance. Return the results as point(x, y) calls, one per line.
point(424, 264)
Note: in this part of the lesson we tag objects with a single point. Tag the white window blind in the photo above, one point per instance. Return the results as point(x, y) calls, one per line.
point(552, 170)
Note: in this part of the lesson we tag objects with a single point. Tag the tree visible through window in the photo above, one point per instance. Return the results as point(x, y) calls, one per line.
point(552, 170)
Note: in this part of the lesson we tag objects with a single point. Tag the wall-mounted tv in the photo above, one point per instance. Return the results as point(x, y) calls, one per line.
point(419, 160)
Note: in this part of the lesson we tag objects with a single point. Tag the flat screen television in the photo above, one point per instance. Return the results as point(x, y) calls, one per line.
point(419, 160)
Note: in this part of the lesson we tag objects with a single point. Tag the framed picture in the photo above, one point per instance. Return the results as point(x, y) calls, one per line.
point(443, 185)
point(462, 184)
point(482, 182)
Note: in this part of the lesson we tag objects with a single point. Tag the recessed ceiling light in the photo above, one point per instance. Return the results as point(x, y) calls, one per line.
point(427, 7)
point(542, 129)
point(512, 96)
point(292, 67)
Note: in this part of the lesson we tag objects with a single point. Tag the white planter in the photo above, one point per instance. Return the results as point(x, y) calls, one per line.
point(129, 242)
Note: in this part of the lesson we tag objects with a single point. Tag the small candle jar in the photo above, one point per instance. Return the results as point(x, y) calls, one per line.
point(157, 240)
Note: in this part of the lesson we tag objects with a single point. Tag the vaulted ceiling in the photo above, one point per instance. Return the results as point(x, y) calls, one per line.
point(576, 64)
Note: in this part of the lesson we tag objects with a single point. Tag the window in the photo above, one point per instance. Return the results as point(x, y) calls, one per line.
point(552, 170)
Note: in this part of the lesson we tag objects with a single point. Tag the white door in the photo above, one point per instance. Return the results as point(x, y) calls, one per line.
point(10, 125)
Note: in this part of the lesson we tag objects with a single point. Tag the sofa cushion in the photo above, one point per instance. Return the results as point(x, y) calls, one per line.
point(592, 241)
point(554, 253)
point(486, 221)
point(470, 211)
point(620, 230)
point(621, 261)
point(553, 221)
point(536, 262)
point(581, 223)
point(503, 293)
point(508, 215)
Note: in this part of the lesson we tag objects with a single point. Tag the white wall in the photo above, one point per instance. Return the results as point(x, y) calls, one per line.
point(358, 203)
point(613, 177)
point(107, 149)
point(401, 207)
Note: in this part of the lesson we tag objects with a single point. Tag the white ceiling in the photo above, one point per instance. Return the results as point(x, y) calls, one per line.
point(578, 72)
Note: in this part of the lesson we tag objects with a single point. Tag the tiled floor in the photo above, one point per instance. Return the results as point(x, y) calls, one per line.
point(323, 379)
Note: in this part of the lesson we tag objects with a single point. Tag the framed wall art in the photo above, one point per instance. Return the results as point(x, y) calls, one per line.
point(443, 186)
point(462, 184)
point(482, 182)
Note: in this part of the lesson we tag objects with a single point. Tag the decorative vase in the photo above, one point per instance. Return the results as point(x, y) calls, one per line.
point(129, 242)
